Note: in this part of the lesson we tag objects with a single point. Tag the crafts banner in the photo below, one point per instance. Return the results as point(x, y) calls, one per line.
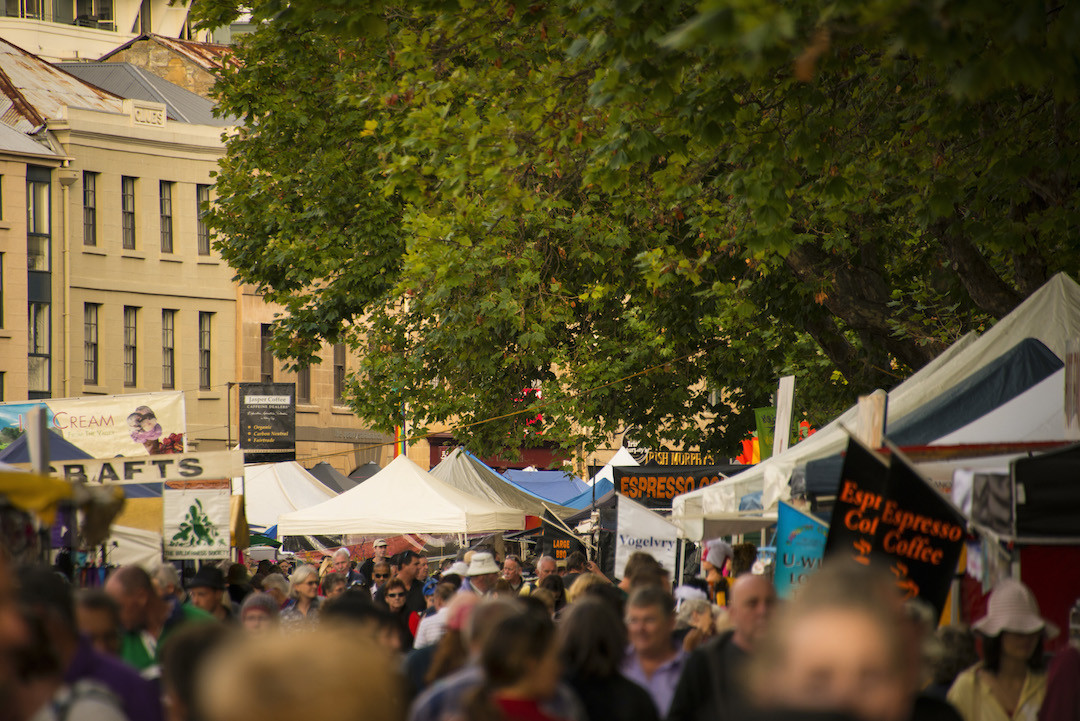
point(655, 487)
point(800, 545)
point(639, 529)
point(195, 523)
point(891, 515)
point(135, 424)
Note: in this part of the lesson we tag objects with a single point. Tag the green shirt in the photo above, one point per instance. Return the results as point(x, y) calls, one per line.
point(138, 649)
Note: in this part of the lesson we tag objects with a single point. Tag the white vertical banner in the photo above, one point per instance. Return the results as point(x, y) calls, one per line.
point(640, 529)
point(196, 519)
point(785, 399)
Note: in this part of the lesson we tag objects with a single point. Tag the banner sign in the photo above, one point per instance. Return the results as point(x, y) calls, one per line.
point(891, 515)
point(135, 424)
point(196, 520)
point(640, 529)
point(647, 455)
point(556, 542)
point(656, 486)
point(800, 544)
point(268, 416)
point(152, 469)
point(765, 421)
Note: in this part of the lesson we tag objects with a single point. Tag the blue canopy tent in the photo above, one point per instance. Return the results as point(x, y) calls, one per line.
point(555, 486)
point(59, 450)
point(1009, 375)
point(603, 487)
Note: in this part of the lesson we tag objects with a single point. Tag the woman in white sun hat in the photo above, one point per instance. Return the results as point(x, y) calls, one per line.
point(1010, 682)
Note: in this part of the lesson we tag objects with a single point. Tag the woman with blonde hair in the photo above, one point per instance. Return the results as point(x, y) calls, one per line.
point(581, 583)
point(303, 606)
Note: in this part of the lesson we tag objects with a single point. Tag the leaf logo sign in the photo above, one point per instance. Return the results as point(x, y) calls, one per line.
point(196, 529)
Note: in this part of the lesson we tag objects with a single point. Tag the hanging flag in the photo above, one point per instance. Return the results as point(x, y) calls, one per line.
point(856, 516)
point(800, 545)
point(399, 441)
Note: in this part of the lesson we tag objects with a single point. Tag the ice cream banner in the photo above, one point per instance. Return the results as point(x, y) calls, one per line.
point(138, 424)
point(800, 544)
point(196, 520)
point(640, 529)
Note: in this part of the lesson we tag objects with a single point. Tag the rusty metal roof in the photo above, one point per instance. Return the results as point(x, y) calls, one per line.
point(209, 56)
point(32, 90)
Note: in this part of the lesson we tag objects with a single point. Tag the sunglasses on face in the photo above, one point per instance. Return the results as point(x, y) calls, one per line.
point(394, 595)
point(381, 575)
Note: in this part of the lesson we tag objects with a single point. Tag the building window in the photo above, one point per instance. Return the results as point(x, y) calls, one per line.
point(38, 226)
point(168, 349)
point(303, 385)
point(266, 354)
point(202, 196)
point(339, 372)
point(165, 191)
point(90, 343)
point(127, 209)
point(1, 197)
point(40, 361)
point(204, 349)
point(1, 290)
point(89, 205)
point(131, 345)
point(2, 399)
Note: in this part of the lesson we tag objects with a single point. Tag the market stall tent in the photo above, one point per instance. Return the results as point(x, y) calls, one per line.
point(622, 457)
point(271, 489)
point(402, 498)
point(469, 474)
point(1050, 315)
point(332, 478)
point(557, 486)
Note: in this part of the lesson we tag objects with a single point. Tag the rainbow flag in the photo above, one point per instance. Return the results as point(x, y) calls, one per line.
point(399, 441)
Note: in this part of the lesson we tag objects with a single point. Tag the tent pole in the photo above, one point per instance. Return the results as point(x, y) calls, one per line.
point(680, 548)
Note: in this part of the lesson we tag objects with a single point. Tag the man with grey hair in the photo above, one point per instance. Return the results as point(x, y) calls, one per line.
point(342, 564)
point(278, 588)
point(545, 567)
point(167, 582)
point(445, 700)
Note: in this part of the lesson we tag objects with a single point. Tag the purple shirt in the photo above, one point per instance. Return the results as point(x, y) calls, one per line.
point(661, 685)
point(141, 699)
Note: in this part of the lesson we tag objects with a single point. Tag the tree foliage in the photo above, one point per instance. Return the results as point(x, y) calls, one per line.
point(634, 204)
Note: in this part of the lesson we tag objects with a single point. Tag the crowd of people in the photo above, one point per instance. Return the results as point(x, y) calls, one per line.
point(484, 638)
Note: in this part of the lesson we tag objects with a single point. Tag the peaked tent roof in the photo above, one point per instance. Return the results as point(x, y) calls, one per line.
point(364, 472)
point(271, 489)
point(556, 486)
point(596, 491)
point(622, 457)
point(59, 449)
point(467, 473)
point(402, 498)
point(129, 81)
point(332, 478)
point(1050, 315)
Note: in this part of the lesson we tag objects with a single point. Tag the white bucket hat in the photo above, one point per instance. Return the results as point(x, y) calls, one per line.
point(1013, 607)
point(458, 567)
point(482, 564)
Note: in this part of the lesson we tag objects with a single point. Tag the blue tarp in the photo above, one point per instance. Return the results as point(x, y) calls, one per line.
point(602, 488)
point(554, 486)
point(59, 450)
point(999, 381)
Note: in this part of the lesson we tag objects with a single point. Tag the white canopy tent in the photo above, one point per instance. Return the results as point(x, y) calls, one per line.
point(621, 458)
point(271, 489)
point(402, 498)
point(1050, 315)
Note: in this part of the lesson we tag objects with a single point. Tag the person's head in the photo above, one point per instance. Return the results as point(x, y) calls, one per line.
point(237, 575)
point(580, 584)
point(545, 567)
point(483, 572)
point(442, 595)
point(97, 617)
point(325, 674)
point(953, 651)
point(839, 646)
point(512, 569)
point(182, 659)
point(355, 609)
point(637, 561)
point(380, 573)
point(1012, 627)
point(650, 621)
point(206, 588)
point(695, 613)
point(258, 612)
point(553, 582)
point(277, 587)
point(304, 582)
point(134, 593)
point(479, 618)
point(520, 654)
point(750, 604)
point(379, 549)
point(342, 561)
point(167, 580)
point(575, 562)
point(333, 585)
point(409, 571)
point(593, 640)
point(716, 559)
point(395, 594)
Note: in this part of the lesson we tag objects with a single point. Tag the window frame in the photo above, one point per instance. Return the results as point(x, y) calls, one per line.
point(89, 208)
point(32, 234)
point(168, 348)
point(42, 349)
point(131, 346)
point(91, 344)
point(205, 346)
point(202, 230)
point(165, 203)
point(339, 373)
point(129, 235)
